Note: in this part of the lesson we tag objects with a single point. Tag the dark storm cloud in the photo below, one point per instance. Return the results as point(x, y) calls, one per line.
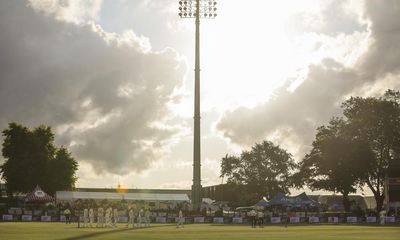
point(291, 117)
point(103, 92)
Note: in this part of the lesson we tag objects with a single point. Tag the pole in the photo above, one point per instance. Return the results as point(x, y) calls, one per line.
point(193, 9)
point(196, 188)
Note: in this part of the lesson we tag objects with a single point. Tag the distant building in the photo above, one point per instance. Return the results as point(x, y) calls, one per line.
point(153, 197)
point(155, 200)
point(136, 190)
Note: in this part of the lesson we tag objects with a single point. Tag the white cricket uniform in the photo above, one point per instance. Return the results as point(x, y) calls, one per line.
point(108, 217)
point(115, 216)
point(91, 217)
point(100, 217)
point(181, 219)
point(85, 217)
point(139, 218)
point(131, 219)
point(382, 217)
point(147, 218)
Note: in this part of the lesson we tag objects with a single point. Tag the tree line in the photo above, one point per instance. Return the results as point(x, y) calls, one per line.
point(348, 153)
point(31, 159)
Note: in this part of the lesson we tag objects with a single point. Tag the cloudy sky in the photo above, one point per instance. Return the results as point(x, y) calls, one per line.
point(114, 78)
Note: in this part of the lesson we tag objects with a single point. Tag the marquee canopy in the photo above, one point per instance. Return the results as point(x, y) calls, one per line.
point(262, 203)
point(38, 196)
point(296, 201)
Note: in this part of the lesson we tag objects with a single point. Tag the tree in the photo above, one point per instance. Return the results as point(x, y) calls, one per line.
point(15, 171)
point(336, 161)
point(377, 122)
point(264, 171)
point(32, 159)
point(62, 170)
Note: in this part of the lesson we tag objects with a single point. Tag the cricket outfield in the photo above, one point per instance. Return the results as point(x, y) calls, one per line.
point(61, 231)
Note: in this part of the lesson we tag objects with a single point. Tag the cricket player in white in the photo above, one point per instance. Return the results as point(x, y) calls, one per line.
point(382, 217)
point(91, 217)
point(115, 217)
point(100, 217)
point(139, 218)
point(181, 219)
point(147, 218)
point(131, 219)
point(85, 217)
point(108, 217)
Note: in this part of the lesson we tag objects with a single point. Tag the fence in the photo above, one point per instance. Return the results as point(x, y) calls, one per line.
point(172, 218)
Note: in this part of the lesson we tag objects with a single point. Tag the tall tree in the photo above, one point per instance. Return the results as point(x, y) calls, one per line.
point(32, 159)
point(41, 155)
point(377, 122)
point(62, 171)
point(16, 169)
point(336, 162)
point(264, 170)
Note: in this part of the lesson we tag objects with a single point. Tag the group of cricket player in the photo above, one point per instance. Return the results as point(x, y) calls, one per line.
point(110, 217)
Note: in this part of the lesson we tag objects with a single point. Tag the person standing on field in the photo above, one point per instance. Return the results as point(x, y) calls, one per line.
point(115, 217)
point(131, 218)
point(67, 214)
point(91, 217)
point(382, 217)
point(181, 219)
point(287, 216)
point(147, 218)
point(100, 217)
point(260, 219)
point(140, 218)
point(253, 214)
point(108, 216)
point(85, 217)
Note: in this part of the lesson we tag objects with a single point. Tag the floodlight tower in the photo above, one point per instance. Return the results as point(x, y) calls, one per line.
point(197, 9)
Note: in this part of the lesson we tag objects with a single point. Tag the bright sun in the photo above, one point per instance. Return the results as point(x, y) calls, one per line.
point(247, 52)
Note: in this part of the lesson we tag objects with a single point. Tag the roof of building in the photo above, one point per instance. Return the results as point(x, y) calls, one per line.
point(67, 196)
point(135, 190)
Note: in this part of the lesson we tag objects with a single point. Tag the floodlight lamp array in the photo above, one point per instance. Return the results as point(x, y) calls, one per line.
point(207, 8)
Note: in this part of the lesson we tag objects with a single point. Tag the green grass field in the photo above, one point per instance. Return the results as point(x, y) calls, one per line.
point(60, 231)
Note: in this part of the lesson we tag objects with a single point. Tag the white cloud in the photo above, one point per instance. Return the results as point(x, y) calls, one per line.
point(290, 117)
point(282, 69)
point(360, 62)
point(75, 11)
point(70, 76)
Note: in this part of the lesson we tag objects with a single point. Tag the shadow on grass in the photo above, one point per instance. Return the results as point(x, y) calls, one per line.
point(96, 234)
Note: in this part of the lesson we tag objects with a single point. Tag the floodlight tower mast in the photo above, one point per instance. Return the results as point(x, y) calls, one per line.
point(197, 9)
